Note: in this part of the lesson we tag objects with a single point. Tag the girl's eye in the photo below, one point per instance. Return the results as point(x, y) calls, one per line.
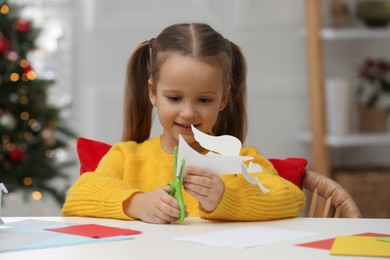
point(205, 100)
point(174, 98)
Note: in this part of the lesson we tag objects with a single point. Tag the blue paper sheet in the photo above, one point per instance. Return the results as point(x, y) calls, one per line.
point(30, 234)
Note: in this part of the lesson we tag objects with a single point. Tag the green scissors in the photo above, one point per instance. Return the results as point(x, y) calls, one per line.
point(177, 183)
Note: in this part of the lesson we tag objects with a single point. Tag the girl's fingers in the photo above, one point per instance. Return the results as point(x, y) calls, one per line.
point(196, 189)
point(198, 171)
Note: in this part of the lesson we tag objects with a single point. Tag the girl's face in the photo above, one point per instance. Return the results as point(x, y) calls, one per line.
point(188, 92)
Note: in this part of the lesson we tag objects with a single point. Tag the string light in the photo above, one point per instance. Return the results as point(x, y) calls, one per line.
point(49, 153)
point(4, 9)
point(24, 115)
point(10, 147)
point(31, 75)
point(14, 76)
point(36, 195)
point(27, 181)
point(5, 139)
point(33, 123)
point(28, 136)
point(24, 63)
point(24, 77)
point(23, 100)
point(22, 148)
point(12, 56)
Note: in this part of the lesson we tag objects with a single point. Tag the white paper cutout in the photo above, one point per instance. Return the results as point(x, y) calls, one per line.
point(225, 144)
point(2, 189)
point(246, 236)
point(253, 180)
point(227, 160)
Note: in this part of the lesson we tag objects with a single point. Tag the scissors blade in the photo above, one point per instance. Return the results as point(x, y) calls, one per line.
point(182, 171)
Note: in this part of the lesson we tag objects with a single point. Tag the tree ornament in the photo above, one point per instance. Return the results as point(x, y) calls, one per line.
point(16, 156)
point(23, 26)
point(48, 136)
point(5, 46)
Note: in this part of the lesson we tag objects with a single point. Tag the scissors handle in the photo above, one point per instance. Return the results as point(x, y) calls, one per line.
point(173, 188)
point(181, 204)
point(177, 192)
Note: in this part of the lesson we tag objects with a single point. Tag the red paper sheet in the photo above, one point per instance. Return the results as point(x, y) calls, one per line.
point(327, 243)
point(95, 231)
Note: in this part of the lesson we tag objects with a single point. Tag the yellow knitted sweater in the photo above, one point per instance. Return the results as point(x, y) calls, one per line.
point(130, 167)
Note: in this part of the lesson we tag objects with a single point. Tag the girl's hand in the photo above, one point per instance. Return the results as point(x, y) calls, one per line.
point(156, 206)
point(205, 186)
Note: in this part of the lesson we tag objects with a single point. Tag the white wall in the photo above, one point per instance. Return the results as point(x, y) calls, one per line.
point(108, 31)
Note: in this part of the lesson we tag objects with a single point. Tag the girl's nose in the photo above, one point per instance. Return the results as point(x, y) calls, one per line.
point(188, 111)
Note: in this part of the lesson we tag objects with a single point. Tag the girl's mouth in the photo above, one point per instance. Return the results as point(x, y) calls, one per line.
point(185, 127)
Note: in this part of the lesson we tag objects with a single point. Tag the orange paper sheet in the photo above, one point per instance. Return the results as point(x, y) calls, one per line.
point(360, 246)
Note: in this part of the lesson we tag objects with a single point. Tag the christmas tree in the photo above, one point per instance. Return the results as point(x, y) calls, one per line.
point(31, 129)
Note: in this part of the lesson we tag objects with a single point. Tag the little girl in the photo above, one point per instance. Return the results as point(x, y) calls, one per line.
point(191, 75)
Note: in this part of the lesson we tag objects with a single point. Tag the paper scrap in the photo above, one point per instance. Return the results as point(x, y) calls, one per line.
point(327, 243)
point(95, 231)
point(360, 246)
point(384, 239)
point(253, 180)
point(4, 227)
point(245, 237)
point(320, 244)
point(33, 234)
point(11, 239)
point(67, 240)
point(37, 224)
point(21, 233)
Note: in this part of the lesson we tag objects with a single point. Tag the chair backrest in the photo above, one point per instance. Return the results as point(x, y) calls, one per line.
point(335, 196)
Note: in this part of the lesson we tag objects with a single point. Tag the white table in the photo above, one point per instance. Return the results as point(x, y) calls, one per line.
point(156, 241)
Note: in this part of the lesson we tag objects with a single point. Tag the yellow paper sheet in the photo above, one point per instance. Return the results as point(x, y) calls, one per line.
point(360, 246)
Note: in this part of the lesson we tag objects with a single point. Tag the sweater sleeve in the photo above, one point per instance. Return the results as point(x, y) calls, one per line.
point(243, 201)
point(100, 193)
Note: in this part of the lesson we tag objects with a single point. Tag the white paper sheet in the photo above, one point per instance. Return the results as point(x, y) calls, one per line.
point(245, 237)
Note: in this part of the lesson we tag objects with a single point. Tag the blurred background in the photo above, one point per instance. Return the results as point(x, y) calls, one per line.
point(78, 51)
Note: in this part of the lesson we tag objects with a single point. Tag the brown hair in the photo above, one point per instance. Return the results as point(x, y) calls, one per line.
point(195, 40)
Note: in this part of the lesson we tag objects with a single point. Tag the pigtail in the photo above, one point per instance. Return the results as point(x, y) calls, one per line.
point(233, 119)
point(137, 121)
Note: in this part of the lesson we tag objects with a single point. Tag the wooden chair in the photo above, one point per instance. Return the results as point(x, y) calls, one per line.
point(335, 196)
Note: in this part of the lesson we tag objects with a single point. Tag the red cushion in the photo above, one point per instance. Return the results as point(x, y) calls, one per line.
point(90, 152)
point(291, 169)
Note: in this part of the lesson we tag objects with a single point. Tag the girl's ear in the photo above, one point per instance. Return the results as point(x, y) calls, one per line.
point(152, 92)
point(223, 104)
point(224, 101)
